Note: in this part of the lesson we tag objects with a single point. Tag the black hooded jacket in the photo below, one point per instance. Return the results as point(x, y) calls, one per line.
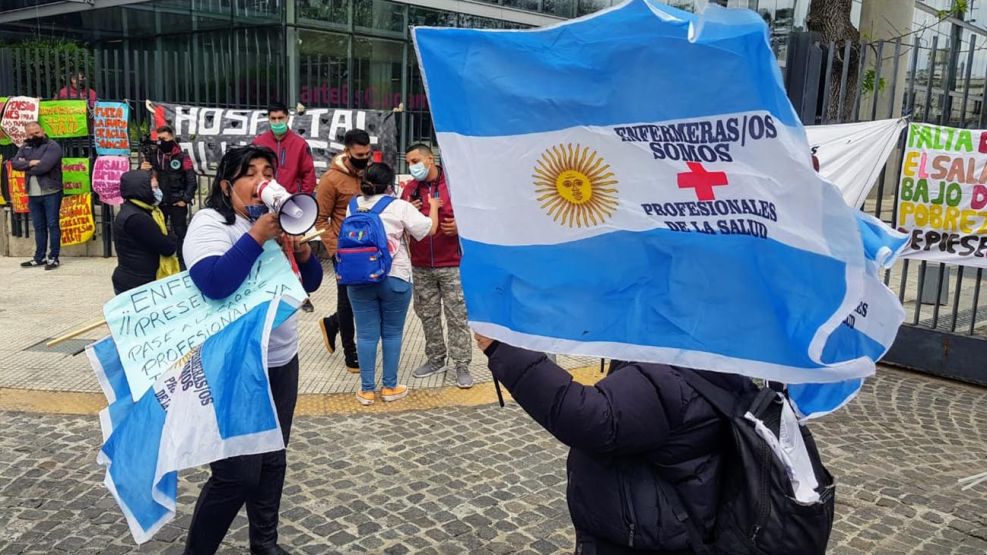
point(136, 236)
point(641, 424)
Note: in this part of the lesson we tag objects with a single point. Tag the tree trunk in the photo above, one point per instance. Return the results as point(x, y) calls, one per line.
point(831, 19)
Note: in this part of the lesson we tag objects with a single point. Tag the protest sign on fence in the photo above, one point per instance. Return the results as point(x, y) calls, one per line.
point(106, 178)
point(156, 325)
point(16, 112)
point(942, 196)
point(76, 219)
point(64, 118)
point(110, 128)
point(75, 176)
point(17, 185)
point(206, 133)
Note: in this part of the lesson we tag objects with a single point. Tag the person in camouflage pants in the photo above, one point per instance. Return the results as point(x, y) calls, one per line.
point(437, 289)
point(435, 261)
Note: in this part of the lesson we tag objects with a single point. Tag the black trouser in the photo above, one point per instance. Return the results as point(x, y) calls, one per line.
point(176, 217)
point(344, 317)
point(254, 480)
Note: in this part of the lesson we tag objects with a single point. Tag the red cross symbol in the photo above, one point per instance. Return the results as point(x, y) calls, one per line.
point(702, 181)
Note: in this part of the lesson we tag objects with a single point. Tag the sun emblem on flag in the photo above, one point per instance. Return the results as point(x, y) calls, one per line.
point(575, 186)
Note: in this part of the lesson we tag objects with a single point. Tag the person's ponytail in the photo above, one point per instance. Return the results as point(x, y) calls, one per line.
point(377, 179)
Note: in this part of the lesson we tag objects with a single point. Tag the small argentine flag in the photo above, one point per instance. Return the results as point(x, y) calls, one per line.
point(217, 405)
point(636, 185)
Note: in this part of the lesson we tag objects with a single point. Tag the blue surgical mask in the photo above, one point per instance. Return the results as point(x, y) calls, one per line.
point(158, 196)
point(255, 211)
point(419, 171)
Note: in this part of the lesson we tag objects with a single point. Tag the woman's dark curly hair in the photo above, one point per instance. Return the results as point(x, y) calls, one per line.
point(233, 166)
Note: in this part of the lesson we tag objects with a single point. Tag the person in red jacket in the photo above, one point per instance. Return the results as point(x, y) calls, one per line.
point(296, 168)
point(435, 269)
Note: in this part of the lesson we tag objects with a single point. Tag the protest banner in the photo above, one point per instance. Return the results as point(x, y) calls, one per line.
point(704, 216)
point(106, 178)
point(64, 118)
point(942, 195)
point(216, 404)
point(17, 186)
point(4, 139)
point(16, 112)
point(206, 133)
point(156, 325)
point(76, 219)
point(110, 128)
point(852, 155)
point(75, 176)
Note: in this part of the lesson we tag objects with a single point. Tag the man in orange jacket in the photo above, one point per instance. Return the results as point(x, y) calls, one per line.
point(336, 188)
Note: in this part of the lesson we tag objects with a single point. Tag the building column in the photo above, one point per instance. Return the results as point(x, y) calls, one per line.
point(886, 20)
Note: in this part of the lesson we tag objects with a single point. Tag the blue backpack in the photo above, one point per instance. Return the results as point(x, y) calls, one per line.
point(362, 256)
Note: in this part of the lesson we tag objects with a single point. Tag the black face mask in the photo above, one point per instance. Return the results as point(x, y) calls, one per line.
point(359, 163)
point(166, 146)
point(35, 141)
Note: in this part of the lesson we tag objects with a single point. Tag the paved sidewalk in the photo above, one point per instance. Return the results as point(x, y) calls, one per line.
point(483, 480)
point(37, 305)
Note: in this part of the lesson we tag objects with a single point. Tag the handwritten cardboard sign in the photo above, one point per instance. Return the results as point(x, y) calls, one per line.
point(18, 111)
point(155, 326)
point(110, 123)
point(64, 118)
point(75, 175)
point(17, 185)
point(76, 219)
point(106, 178)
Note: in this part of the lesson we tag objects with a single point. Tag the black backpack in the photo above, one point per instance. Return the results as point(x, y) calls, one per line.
point(758, 512)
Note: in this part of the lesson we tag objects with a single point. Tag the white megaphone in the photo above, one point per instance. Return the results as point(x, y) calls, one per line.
point(296, 213)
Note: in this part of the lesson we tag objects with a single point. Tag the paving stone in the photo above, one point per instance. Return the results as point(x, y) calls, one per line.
point(895, 460)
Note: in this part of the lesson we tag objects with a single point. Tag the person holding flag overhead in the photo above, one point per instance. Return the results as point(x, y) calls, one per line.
point(224, 241)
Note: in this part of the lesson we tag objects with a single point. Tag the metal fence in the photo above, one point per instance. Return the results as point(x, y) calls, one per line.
point(239, 68)
point(946, 323)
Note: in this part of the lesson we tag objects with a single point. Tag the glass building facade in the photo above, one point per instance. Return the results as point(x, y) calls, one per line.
point(243, 53)
point(349, 53)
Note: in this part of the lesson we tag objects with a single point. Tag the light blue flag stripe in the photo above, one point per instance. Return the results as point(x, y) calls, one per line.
point(733, 311)
point(247, 386)
point(499, 84)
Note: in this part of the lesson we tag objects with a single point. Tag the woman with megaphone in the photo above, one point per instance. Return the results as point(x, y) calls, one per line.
point(224, 241)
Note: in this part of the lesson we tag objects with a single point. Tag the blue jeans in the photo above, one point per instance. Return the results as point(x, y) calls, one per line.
point(44, 216)
point(379, 310)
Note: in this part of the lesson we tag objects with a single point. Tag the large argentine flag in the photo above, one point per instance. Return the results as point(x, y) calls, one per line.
point(636, 185)
point(215, 406)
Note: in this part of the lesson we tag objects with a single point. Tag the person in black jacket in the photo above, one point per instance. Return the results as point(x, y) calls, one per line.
point(638, 431)
point(178, 182)
point(138, 238)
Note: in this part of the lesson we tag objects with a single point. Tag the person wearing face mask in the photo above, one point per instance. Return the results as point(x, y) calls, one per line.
point(177, 180)
point(436, 267)
point(337, 186)
point(145, 250)
point(295, 168)
point(225, 239)
point(41, 160)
